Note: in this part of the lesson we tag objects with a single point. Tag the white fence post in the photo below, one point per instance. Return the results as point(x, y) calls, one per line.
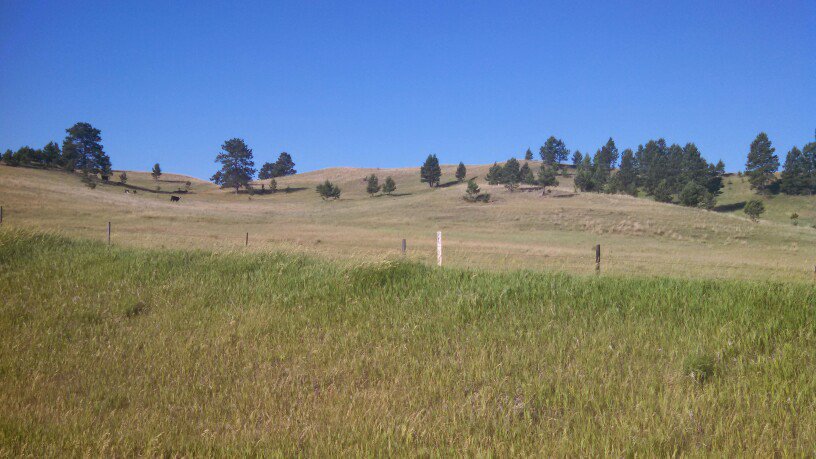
point(439, 248)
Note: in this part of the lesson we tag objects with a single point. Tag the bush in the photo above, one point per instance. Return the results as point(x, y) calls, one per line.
point(373, 185)
point(328, 190)
point(123, 178)
point(754, 208)
point(389, 186)
point(474, 194)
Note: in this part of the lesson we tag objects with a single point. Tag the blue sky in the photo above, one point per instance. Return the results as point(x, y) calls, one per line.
point(383, 84)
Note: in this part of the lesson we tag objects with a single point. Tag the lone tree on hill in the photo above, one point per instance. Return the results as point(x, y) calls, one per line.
point(389, 186)
point(237, 167)
point(762, 163)
point(156, 171)
point(528, 155)
point(280, 168)
point(430, 172)
point(328, 190)
point(461, 171)
point(753, 209)
point(123, 178)
point(372, 185)
point(82, 149)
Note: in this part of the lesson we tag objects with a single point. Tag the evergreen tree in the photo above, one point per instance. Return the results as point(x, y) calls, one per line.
point(693, 195)
point(389, 186)
point(472, 191)
point(577, 158)
point(282, 167)
point(156, 173)
point(510, 176)
point(546, 177)
point(8, 157)
point(123, 178)
point(82, 149)
point(528, 155)
point(430, 172)
point(273, 186)
point(809, 152)
point(762, 163)
point(237, 167)
point(753, 209)
point(526, 175)
point(584, 175)
point(461, 171)
point(328, 190)
point(51, 154)
point(372, 185)
point(653, 165)
point(554, 152)
point(797, 173)
point(626, 178)
point(494, 175)
point(714, 182)
point(662, 193)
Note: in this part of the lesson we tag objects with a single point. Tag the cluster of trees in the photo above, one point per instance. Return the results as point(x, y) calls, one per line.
point(668, 173)
point(81, 150)
point(798, 173)
point(512, 174)
point(238, 166)
point(373, 185)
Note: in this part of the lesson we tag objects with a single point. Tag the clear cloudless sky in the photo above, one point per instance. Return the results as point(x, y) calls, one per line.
point(383, 84)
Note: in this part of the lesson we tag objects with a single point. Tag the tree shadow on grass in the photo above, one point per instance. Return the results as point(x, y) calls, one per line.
point(729, 207)
point(448, 184)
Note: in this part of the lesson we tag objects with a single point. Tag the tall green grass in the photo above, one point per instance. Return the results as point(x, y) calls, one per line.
point(110, 351)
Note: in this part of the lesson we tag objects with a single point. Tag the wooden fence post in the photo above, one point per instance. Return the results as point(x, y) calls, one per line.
point(404, 247)
point(109, 231)
point(247, 241)
point(1, 215)
point(598, 259)
point(439, 248)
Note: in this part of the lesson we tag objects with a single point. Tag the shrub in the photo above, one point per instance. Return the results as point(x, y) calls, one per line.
point(794, 219)
point(754, 208)
point(389, 186)
point(328, 190)
point(473, 193)
point(373, 185)
point(123, 178)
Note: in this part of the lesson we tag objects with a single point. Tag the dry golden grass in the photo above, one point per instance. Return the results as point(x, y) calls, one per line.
point(516, 230)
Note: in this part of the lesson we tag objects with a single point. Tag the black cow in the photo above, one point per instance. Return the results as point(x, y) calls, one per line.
point(175, 199)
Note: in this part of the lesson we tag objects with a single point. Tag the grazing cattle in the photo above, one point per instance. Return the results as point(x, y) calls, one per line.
point(175, 199)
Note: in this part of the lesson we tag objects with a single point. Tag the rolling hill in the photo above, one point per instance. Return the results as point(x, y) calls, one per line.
point(516, 230)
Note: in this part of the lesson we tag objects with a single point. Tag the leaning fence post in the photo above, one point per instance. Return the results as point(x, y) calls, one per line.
point(598, 259)
point(404, 247)
point(439, 248)
point(109, 227)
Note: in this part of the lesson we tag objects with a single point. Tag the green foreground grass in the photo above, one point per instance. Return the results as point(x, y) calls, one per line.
point(112, 351)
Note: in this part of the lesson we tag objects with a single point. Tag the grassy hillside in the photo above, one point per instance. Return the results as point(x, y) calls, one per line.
point(123, 351)
point(518, 230)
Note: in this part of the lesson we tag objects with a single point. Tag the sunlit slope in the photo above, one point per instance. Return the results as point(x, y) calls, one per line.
point(516, 230)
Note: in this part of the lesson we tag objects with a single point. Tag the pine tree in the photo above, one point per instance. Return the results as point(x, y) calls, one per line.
point(156, 173)
point(51, 154)
point(753, 209)
point(472, 191)
point(797, 173)
point(526, 175)
point(762, 163)
point(577, 158)
point(494, 175)
point(372, 185)
point(693, 195)
point(328, 190)
point(584, 175)
point(282, 167)
point(461, 171)
point(662, 192)
point(123, 178)
point(626, 178)
point(528, 155)
point(237, 167)
point(546, 177)
point(554, 152)
point(82, 149)
point(430, 172)
point(510, 174)
point(389, 186)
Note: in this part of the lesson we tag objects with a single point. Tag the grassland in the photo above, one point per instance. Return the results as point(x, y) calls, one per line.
point(117, 351)
point(639, 237)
